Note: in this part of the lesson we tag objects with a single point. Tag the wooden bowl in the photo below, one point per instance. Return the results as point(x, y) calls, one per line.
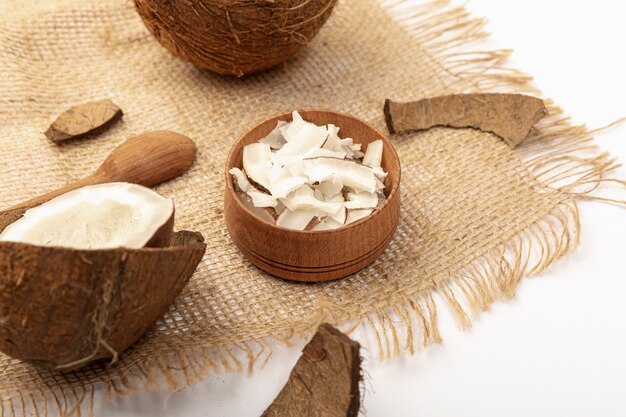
point(314, 256)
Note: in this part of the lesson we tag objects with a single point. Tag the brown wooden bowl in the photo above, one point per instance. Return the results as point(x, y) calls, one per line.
point(314, 256)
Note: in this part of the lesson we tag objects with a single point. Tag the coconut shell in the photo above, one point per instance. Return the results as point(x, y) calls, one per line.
point(63, 308)
point(234, 37)
point(325, 381)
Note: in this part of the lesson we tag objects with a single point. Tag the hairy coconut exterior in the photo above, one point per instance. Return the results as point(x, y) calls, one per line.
point(63, 308)
point(234, 37)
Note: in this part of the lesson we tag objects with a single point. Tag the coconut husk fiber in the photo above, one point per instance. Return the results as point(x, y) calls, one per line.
point(476, 215)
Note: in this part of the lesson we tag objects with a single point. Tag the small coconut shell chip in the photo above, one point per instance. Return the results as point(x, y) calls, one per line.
point(510, 116)
point(84, 119)
point(63, 307)
point(325, 380)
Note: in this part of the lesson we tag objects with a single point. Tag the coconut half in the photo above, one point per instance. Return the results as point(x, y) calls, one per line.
point(63, 307)
point(104, 216)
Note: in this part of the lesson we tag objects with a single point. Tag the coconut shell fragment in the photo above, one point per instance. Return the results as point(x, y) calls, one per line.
point(510, 116)
point(83, 119)
point(325, 381)
point(63, 308)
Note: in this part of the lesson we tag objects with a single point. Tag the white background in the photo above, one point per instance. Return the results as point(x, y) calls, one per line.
point(559, 349)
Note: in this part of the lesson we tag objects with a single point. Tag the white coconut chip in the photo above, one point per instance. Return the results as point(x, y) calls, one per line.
point(324, 153)
point(241, 179)
point(291, 160)
point(362, 200)
point(355, 215)
point(373, 154)
point(329, 189)
point(275, 139)
point(330, 223)
point(340, 216)
point(302, 139)
point(290, 129)
point(259, 198)
point(304, 199)
point(296, 220)
point(258, 211)
point(285, 186)
point(348, 173)
point(278, 173)
point(257, 162)
point(379, 172)
point(333, 141)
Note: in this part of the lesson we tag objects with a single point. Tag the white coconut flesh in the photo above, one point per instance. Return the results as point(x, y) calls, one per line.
point(275, 138)
point(313, 178)
point(103, 216)
point(374, 155)
point(257, 162)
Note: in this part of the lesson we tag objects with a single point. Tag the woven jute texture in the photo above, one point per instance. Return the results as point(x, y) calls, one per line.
point(476, 215)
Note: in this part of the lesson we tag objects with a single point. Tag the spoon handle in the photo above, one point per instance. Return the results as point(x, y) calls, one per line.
point(147, 159)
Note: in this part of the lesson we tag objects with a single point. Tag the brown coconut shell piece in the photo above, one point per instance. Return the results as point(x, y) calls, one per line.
point(63, 308)
point(83, 119)
point(510, 116)
point(325, 380)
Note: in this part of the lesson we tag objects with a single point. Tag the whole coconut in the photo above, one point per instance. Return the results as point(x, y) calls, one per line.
point(234, 37)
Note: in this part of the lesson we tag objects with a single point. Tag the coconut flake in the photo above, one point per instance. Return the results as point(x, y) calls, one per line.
point(374, 154)
point(278, 173)
point(241, 180)
point(285, 186)
point(258, 198)
point(291, 129)
point(296, 220)
point(264, 213)
point(349, 173)
point(331, 223)
point(257, 162)
point(300, 140)
point(340, 216)
point(103, 216)
point(355, 215)
point(362, 200)
point(379, 172)
point(329, 189)
point(275, 138)
point(304, 199)
point(261, 199)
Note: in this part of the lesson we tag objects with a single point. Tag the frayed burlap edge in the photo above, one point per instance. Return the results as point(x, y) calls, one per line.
point(561, 158)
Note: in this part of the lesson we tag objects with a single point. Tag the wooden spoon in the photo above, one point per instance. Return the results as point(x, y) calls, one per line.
point(148, 159)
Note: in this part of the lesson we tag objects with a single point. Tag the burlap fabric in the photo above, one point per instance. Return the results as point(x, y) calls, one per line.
point(476, 215)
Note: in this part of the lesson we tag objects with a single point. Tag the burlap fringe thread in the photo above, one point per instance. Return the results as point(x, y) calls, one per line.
point(562, 158)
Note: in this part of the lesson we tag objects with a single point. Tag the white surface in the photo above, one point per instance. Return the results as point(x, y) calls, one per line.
point(559, 349)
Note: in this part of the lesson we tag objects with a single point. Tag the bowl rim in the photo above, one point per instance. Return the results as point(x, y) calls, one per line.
point(377, 212)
